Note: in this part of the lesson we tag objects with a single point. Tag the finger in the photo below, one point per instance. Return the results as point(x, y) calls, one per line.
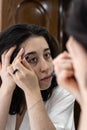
point(18, 65)
point(66, 80)
point(8, 55)
point(66, 65)
point(64, 55)
point(62, 65)
point(20, 53)
point(26, 64)
point(10, 70)
point(66, 74)
point(3, 57)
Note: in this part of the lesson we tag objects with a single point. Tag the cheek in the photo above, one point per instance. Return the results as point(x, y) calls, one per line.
point(36, 70)
point(52, 66)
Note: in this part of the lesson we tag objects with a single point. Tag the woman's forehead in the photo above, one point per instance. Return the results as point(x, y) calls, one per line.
point(35, 42)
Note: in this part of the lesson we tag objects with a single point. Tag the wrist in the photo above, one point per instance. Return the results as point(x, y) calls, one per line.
point(8, 90)
point(34, 104)
point(32, 98)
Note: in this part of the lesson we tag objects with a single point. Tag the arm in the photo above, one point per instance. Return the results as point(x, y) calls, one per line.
point(27, 80)
point(6, 89)
point(38, 116)
point(73, 77)
point(83, 119)
point(65, 74)
point(5, 101)
point(79, 57)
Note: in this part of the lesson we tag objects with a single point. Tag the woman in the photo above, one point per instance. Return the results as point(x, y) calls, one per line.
point(71, 67)
point(29, 91)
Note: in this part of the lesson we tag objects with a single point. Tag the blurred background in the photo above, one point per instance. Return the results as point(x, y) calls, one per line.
point(48, 13)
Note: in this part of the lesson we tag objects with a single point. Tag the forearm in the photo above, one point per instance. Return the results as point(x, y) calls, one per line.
point(5, 100)
point(38, 116)
point(83, 119)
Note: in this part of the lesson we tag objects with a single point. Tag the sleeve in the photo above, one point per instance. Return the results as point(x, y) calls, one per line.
point(60, 108)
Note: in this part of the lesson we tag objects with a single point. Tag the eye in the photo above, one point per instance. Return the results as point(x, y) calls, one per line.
point(31, 60)
point(47, 55)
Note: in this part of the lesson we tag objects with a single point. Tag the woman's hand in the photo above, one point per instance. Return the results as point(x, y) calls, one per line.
point(65, 74)
point(79, 58)
point(7, 82)
point(25, 77)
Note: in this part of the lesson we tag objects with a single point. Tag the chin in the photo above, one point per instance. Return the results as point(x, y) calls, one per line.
point(44, 87)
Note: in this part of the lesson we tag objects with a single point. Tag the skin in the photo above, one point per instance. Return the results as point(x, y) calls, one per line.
point(7, 88)
point(40, 60)
point(38, 77)
point(71, 71)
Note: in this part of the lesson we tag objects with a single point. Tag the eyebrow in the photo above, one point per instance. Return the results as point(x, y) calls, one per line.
point(34, 52)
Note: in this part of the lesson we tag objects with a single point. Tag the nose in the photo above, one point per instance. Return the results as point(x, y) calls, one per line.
point(44, 66)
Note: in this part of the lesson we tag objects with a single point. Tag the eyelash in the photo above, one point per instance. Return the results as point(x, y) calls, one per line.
point(30, 60)
point(47, 55)
point(34, 60)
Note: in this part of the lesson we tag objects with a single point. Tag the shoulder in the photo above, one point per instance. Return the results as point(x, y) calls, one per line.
point(60, 108)
point(60, 96)
point(61, 93)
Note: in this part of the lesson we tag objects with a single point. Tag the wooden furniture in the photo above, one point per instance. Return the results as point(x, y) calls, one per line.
point(41, 12)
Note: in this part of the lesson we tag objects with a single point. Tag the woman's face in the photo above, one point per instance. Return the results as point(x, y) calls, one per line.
point(79, 60)
point(38, 55)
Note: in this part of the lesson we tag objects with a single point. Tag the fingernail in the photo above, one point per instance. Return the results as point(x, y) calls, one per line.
point(22, 49)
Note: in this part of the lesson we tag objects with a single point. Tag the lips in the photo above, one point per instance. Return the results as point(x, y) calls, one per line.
point(46, 78)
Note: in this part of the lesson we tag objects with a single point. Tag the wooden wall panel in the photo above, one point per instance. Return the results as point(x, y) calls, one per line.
point(51, 6)
point(8, 12)
point(35, 13)
point(42, 12)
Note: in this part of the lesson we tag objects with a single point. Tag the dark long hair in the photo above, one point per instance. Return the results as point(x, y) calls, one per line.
point(16, 35)
point(76, 24)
